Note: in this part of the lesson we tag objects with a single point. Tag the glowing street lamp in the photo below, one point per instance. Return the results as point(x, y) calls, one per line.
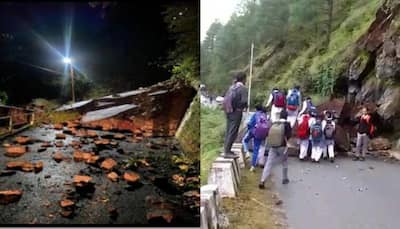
point(68, 61)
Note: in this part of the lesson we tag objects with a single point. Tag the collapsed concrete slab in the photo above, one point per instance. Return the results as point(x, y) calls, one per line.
point(153, 111)
point(222, 174)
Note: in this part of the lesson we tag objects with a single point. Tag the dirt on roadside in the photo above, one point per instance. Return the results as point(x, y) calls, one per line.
point(254, 208)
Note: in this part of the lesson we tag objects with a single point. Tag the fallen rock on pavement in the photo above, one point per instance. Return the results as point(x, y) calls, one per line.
point(59, 144)
point(102, 142)
point(131, 177)
point(7, 173)
point(25, 166)
point(158, 209)
point(92, 134)
point(58, 156)
point(16, 151)
point(45, 145)
point(119, 136)
point(23, 140)
point(38, 166)
point(58, 126)
point(113, 176)
point(66, 203)
point(108, 164)
point(10, 196)
point(60, 136)
point(82, 181)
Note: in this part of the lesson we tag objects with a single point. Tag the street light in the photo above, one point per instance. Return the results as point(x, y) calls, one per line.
point(68, 61)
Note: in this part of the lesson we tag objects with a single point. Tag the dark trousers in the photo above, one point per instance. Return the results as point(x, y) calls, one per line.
point(233, 120)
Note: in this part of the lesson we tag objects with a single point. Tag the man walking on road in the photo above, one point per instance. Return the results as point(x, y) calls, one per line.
point(277, 100)
point(279, 133)
point(235, 102)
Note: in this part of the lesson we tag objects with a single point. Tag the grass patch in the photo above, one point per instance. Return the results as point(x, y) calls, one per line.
point(212, 128)
point(189, 136)
point(59, 117)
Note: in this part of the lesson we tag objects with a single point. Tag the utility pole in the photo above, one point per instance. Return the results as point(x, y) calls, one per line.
point(250, 76)
point(72, 83)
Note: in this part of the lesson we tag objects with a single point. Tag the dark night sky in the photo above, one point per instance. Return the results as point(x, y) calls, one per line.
point(112, 46)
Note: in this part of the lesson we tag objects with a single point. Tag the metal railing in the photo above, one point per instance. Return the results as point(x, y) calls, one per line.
point(12, 123)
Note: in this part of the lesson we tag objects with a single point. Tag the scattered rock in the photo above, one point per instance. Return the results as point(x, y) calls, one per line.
point(41, 150)
point(183, 167)
point(58, 156)
point(16, 151)
point(82, 181)
point(47, 176)
point(114, 144)
point(75, 144)
point(178, 180)
point(66, 213)
point(191, 199)
point(20, 165)
point(93, 160)
point(61, 136)
point(38, 166)
point(58, 126)
point(379, 144)
point(81, 156)
point(10, 196)
point(59, 144)
point(23, 140)
point(113, 176)
point(66, 203)
point(108, 164)
point(102, 142)
point(158, 213)
point(92, 134)
point(371, 167)
point(45, 145)
point(131, 177)
point(119, 136)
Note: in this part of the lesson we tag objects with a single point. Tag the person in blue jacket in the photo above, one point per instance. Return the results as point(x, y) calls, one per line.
point(249, 135)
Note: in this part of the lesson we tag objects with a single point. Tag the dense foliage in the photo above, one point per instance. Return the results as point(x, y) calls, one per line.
point(302, 42)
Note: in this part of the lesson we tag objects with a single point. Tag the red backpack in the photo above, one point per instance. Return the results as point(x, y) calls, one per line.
point(303, 131)
point(279, 99)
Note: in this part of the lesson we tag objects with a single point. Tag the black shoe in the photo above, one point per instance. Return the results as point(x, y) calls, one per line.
point(356, 158)
point(230, 155)
point(261, 185)
point(301, 159)
point(332, 160)
point(285, 181)
point(325, 158)
point(362, 158)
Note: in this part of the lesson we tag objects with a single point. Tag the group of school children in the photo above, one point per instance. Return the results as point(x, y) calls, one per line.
point(315, 132)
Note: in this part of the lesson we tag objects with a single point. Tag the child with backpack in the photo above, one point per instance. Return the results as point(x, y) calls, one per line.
point(317, 138)
point(293, 105)
point(278, 136)
point(365, 131)
point(277, 100)
point(308, 107)
point(258, 128)
point(303, 133)
point(329, 129)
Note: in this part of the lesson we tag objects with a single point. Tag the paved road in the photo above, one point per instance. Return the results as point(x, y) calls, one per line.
point(343, 195)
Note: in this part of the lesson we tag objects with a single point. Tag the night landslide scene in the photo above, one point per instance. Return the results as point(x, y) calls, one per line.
point(96, 124)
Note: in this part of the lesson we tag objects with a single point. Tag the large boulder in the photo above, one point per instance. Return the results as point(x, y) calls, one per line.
point(389, 104)
point(379, 143)
point(342, 140)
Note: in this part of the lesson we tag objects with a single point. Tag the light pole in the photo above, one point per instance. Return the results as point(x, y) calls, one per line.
point(68, 61)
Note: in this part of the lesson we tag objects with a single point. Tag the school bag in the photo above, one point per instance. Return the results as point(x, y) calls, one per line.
point(311, 109)
point(316, 132)
point(293, 101)
point(261, 129)
point(303, 132)
point(329, 131)
point(278, 99)
point(231, 98)
point(276, 136)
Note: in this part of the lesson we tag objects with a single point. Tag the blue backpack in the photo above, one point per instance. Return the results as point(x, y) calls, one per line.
point(316, 132)
point(293, 100)
point(311, 109)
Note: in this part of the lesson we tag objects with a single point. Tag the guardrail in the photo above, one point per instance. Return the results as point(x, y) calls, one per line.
point(30, 117)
